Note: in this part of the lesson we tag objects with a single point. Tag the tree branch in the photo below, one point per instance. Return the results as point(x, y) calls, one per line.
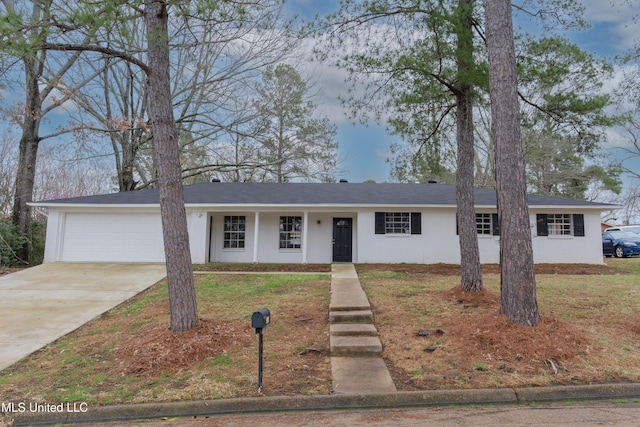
point(100, 49)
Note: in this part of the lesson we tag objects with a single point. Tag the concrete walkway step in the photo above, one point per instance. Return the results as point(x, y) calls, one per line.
point(347, 294)
point(355, 346)
point(360, 375)
point(349, 305)
point(353, 329)
point(351, 316)
point(357, 366)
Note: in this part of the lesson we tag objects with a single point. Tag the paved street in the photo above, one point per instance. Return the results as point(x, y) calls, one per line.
point(604, 413)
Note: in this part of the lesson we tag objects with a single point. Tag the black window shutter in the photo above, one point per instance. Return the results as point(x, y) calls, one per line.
point(495, 227)
point(541, 225)
point(416, 223)
point(457, 228)
point(578, 225)
point(380, 223)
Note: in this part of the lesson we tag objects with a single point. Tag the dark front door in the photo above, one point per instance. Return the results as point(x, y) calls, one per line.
point(342, 239)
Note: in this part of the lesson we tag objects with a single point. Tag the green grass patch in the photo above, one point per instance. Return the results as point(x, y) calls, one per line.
point(82, 365)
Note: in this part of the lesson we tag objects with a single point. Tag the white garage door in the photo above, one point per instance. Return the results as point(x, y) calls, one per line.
point(112, 238)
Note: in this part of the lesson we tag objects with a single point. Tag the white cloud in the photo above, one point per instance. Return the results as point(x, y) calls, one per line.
point(611, 11)
point(382, 154)
point(620, 16)
point(331, 82)
point(327, 82)
point(601, 11)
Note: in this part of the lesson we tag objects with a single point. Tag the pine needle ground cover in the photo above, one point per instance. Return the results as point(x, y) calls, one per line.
point(434, 337)
point(437, 337)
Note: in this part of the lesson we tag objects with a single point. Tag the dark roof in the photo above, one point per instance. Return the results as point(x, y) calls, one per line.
point(238, 193)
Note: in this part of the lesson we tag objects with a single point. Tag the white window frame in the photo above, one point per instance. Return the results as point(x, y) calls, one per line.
point(397, 223)
point(290, 232)
point(559, 224)
point(484, 226)
point(234, 232)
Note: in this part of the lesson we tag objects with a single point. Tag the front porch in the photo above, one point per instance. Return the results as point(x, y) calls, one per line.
point(281, 237)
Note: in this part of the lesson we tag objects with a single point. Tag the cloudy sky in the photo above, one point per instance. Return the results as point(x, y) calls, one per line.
point(364, 149)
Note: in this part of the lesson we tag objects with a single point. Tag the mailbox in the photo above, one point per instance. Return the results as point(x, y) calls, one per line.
point(260, 319)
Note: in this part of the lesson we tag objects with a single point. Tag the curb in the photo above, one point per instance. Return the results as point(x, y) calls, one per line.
point(329, 402)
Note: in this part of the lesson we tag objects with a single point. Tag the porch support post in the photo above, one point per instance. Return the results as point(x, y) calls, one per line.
point(256, 232)
point(305, 233)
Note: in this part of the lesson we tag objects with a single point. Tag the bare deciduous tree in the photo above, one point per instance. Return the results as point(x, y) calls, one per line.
point(44, 91)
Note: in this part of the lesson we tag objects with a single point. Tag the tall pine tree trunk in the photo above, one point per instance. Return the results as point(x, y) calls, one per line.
point(471, 277)
point(518, 284)
point(182, 298)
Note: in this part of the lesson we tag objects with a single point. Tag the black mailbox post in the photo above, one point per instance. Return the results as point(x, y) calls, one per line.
point(259, 320)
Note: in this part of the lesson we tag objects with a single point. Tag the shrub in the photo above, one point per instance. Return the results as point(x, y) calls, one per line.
point(11, 239)
point(39, 232)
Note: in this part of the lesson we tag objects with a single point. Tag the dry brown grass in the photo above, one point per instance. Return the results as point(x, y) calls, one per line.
point(434, 337)
point(588, 331)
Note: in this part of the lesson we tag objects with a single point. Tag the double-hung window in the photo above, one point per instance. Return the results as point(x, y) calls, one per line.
point(483, 223)
point(487, 224)
point(290, 232)
point(234, 231)
point(560, 224)
point(398, 223)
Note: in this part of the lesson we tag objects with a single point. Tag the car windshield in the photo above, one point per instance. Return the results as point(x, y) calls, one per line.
point(624, 235)
point(631, 228)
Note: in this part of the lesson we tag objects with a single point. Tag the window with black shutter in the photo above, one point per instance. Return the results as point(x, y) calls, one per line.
point(496, 226)
point(380, 223)
point(416, 223)
point(560, 225)
point(486, 224)
point(578, 225)
point(398, 223)
point(541, 225)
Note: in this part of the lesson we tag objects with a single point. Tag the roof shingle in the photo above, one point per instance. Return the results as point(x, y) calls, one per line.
point(247, 193)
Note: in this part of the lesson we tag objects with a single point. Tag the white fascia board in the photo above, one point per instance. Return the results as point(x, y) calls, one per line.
point(120, 208)
point(309, 207)
point(93, 205)
point(574, 207)
point(323, 207)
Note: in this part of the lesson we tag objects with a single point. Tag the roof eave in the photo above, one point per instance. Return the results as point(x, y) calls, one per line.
point(304, 206)
point(93, 205)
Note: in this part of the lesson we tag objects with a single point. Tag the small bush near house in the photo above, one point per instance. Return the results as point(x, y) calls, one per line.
point(10, 240)
point(39, 232)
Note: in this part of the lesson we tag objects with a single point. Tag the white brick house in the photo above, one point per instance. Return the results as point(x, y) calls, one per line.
point(313, 223)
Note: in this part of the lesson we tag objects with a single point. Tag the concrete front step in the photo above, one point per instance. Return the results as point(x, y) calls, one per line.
point(353, 329)
point(348, 299)
point(355, 346)
point(360, 375)
point(351, 316)
point(350, 306)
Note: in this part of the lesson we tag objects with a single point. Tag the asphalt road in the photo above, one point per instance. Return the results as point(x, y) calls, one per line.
point(601, 413)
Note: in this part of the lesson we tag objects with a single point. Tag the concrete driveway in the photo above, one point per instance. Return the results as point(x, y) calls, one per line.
point(43, 303)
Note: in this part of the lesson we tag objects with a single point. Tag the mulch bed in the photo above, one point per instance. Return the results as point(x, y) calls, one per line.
point(443, 269)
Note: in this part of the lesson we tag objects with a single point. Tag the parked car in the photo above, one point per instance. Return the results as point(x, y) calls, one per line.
point(620, 243)
point(631, 228)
